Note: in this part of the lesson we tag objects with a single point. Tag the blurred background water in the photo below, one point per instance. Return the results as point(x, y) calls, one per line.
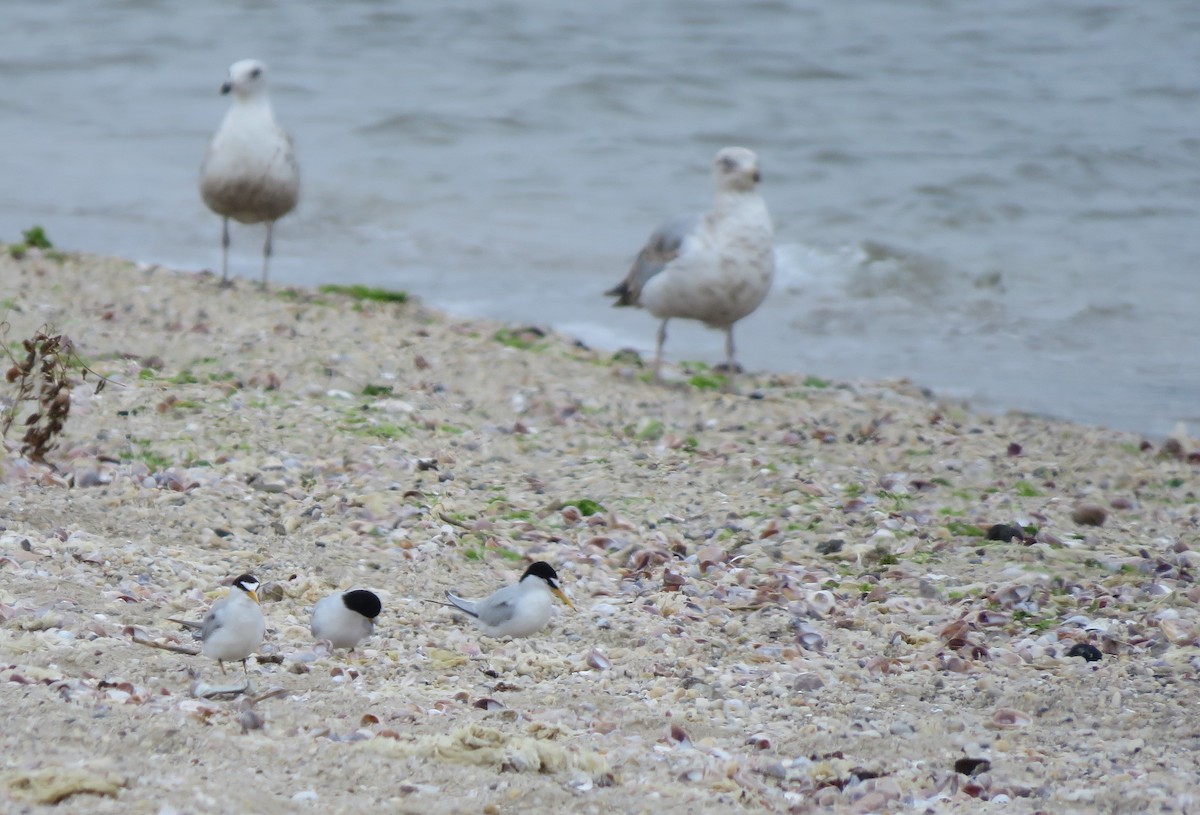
point(995, 200)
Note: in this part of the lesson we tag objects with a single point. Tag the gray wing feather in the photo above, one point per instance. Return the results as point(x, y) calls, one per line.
point(498, 613)
point(212, 620)
point(500, 607)
point(289, 154)
point(662, 248)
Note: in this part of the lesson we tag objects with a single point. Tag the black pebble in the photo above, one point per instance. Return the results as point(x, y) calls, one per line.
point(1086, 650)
point(1005, 532)
point(830, 546)
point(972, 766)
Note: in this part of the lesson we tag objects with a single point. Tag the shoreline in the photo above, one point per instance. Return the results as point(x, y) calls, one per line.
point(787, 598)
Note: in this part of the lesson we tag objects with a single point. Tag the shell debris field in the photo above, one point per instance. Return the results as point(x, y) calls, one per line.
point(786, 600)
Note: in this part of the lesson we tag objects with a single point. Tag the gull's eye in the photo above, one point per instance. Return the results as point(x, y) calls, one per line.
point(256, 73)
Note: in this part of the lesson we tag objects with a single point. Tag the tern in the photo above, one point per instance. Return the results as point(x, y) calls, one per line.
point(518, 610)
point(234, 627)
point(346, 618)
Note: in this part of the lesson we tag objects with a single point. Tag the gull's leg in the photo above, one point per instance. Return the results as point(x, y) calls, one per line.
point(224, 250)
point(662, 338)
point(245, 670)
point(729, 363)
point(222, 667)
point(267, 252)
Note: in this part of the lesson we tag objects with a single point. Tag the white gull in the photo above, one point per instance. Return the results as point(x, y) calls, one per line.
point(250, 173)
point(716, 268)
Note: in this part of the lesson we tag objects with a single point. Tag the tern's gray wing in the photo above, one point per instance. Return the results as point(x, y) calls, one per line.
point(213, 620)
point(500, 607)
point(662, 248)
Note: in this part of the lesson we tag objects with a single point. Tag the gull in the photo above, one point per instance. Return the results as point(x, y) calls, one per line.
point(345, 618)
point(250, 173)
point(518, 610)
point(716, 267)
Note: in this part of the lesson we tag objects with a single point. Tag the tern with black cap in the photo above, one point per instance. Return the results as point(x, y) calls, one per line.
point(518, 610)
point(345, 618)
point(234, 627)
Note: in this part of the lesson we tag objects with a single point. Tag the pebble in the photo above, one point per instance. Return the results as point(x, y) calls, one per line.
point(1089, 515)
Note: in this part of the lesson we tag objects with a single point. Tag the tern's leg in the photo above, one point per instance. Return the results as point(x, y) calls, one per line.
point(662, 338)
point(267, 251)
point(224, 250)
point(245, 670)
point(222, 667)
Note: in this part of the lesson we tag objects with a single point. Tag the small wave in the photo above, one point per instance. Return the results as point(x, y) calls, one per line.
point(1174, 92)
point(435, 128)
point(1133, 213)
point(1096, 313)
point(872, 270)
point(812, 270)
point(885, 269)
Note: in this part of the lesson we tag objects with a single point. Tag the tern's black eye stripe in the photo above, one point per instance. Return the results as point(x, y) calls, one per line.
point(246, 582)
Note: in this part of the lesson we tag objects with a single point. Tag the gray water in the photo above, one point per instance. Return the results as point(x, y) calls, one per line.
point(996, 200)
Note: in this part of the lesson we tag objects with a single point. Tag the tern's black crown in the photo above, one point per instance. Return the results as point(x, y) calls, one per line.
point(246, 582)
point(363, 602)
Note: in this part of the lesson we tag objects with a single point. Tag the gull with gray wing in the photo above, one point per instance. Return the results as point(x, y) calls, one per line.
point(716, 268)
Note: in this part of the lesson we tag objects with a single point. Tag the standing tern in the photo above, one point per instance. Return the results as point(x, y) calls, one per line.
point(234, 627)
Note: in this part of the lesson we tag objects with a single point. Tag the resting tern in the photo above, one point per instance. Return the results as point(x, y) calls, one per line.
point(345, 618)
point(516, 611)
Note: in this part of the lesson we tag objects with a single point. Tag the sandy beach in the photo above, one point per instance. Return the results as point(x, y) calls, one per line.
point(787, 598)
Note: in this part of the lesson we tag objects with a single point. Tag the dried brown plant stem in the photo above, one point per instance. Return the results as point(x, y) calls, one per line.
point(41, 375)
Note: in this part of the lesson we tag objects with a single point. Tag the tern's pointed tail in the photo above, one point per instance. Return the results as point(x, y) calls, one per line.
point(467, 606)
